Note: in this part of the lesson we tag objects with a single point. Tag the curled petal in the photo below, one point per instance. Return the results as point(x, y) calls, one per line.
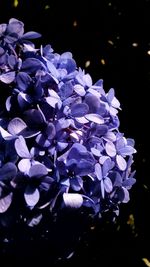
point(73, 200)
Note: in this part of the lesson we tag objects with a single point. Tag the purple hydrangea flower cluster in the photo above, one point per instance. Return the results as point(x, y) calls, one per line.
point(60, 144)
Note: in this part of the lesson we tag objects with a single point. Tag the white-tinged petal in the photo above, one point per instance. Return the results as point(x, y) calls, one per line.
point(6, 135)
point(110, 149)
point(31, 196)
point(5, 202)
point(94, 118)
point(122, 164)
point(79, 89)
point(98, 171)
point(73, 200)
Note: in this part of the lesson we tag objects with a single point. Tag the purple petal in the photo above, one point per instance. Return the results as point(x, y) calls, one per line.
point(115, 103)
point(79, 89)
point(3, 27)
point(6, 135)
point(99, 86)
point(8, 103)
point(110, 136)
point(129, 182)
point(23, 100)
point(107, 166)
point(38, 170)
point(52, 69)
point(120, 143)
point(24, 165)
point(79, 109)
point(73, 200)
point(126, 195)
point(93, 101)
point(98, 171)
point(31, 35)
point(43, 141)
point(34, 118)
point(29, 47)
point(8, 171)
point(27, 133)
point(31, 65)
point(66, 182)
point(76, 150)
point(61, 146)
point(16, 126)
point(81, 120)
point(53, 101)
point(100, 130)
point(84, 168)
point(127, 151)
point(15, 26)
point(87, 80)
point(63, 124)
point(117, 179)
point(31, 196)
point(21, 148)
point(66, 55)
point(130, 142)
point(7, 77)
point(76, 183)
point(108, 185)
point(50, 131)
point(69, 64)
point(110, 149)
point(11, 38)
point(23, 80)
point(66, 90)
point(96, 152)
point(102, 159)
point(12, 61)
point(121, 162)
point(94, 118)
point(5, 202)
point(102, 189)
point(110, 95)
point(35, 220)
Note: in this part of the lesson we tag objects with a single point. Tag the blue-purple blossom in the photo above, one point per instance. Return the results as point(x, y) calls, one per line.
point(60, 144)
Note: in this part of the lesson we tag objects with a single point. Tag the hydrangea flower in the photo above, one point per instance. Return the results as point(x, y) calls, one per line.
point(60, 144)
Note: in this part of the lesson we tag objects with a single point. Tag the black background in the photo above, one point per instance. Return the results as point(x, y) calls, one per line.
point(115, 37)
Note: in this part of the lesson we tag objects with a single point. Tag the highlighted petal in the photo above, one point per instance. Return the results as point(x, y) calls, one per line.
point(110, 149)
point(73, 200)
point(5, 202)
point(94, 118)
point(121, 162)
point(31, 196)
